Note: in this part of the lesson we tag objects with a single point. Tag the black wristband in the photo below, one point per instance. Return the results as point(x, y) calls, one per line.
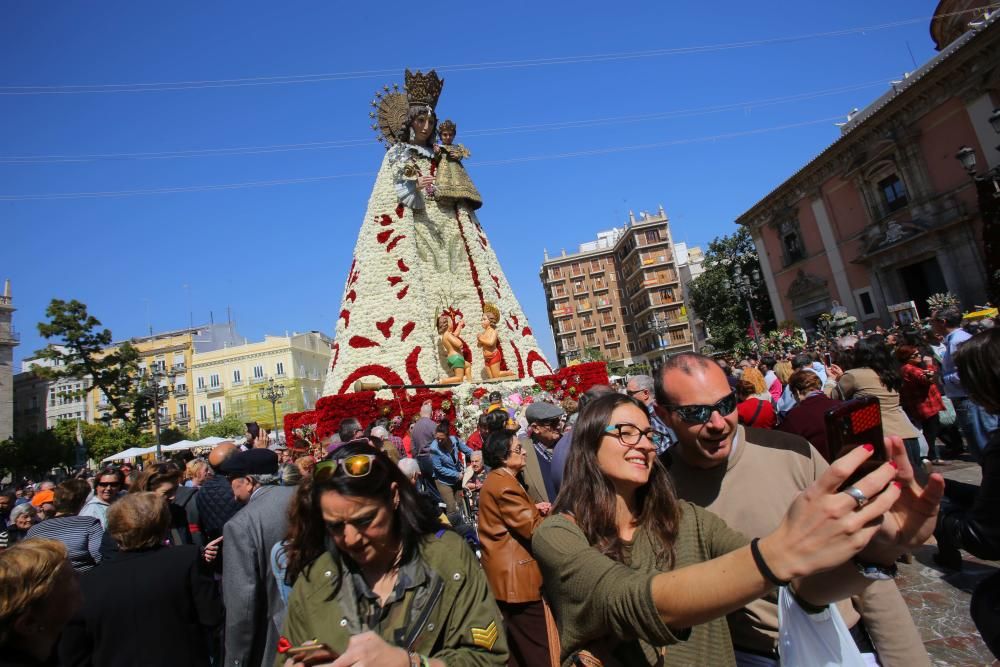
point(758, 558)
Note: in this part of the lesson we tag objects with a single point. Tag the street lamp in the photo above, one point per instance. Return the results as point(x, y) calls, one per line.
point(988, 197)
point(151, 387)
point(745, 286)
point(273, 393)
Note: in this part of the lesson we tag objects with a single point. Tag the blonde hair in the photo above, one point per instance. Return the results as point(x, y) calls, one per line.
point(783, 369)
point(139, 520)
point(753, 376)
point(195, 467)
point(29, 571)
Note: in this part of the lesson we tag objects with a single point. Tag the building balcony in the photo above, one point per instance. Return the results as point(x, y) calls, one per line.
point(182, 419)
point(236, 383)
point(10, 337)
point(215, 391)
point(584, 307)
point(178, 368)
point(567, 332)
point(588, 325)
point(260, 380)
point(603, 304)
point(201, 390)
point(164, 422)
point(181, 391)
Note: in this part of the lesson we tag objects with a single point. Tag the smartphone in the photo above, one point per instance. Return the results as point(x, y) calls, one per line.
point(828, 359)
point(852, 424)
point(310, 654)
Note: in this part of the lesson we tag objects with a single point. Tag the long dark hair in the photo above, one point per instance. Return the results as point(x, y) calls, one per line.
point(977, 360)
point(589, 495)
point(307, 538)
point(872, 352)
point(413, 114)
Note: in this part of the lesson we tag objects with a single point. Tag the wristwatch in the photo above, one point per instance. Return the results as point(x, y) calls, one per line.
point(876, 571)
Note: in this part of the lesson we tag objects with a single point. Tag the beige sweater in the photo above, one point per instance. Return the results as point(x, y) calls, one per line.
point(765, 472)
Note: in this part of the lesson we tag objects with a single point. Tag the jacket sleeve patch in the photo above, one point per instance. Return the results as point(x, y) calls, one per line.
point(485, 637)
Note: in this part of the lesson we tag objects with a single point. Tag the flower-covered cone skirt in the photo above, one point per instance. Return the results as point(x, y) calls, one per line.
point(410, 265)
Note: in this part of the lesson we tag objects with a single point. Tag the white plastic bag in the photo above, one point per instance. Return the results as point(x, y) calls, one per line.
point(814, 640)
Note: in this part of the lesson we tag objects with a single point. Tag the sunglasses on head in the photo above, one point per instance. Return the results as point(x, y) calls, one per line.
point(355, 465)
point(700, 414)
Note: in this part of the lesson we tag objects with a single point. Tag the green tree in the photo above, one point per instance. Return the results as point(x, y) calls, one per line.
point(722, 308)
point(34, 454)
point(83, 353)
point(229, 426)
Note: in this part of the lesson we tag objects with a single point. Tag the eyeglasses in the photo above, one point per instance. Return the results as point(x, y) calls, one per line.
point(700, 414)
point(517, 450)
point(108, 484)
point(631, 392)
point(630, 434)
point(355, 465)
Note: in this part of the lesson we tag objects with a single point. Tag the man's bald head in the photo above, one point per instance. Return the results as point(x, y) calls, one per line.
point(220, 453)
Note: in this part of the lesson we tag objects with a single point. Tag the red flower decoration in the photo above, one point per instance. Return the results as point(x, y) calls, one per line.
point(402, 266)
point(479, 393)
point(386, 220)
point(526, 331)
point(351, 296)
point(394, 280)
point(283, 645)
point(401, 293)
point(400, 209)
point(361, 342)
point(386, 326)
point(383, 235)
point(392, 243)
point(407, 330)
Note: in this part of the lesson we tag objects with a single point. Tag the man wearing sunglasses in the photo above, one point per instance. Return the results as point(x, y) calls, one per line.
point(749, 477)
point(249, 591)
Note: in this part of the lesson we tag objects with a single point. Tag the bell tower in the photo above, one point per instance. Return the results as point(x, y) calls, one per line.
point(8, 341)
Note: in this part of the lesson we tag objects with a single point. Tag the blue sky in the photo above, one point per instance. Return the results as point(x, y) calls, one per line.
point(703, 126)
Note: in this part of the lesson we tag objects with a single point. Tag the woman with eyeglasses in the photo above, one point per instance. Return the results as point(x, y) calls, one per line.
point(107, 485)
point(507, 520)
point(377, 579)
point(636, 577)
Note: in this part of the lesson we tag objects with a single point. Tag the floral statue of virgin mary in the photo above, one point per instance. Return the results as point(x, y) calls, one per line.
point(421, 254)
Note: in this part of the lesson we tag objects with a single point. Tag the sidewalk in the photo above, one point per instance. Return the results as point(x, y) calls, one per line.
point(939, 602)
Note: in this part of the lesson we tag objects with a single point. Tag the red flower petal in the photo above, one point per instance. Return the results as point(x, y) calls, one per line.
point(283, 645)
point(361, 342)
point(394, 280)
point(385, 221)
point(351, 296)
point(526, 331)
point(346, 315)
point(412, 371)
point(401, 293)
point(402, 266)
point(400, 209)
point(383, 235)
point(386, 326)
point(407, 329)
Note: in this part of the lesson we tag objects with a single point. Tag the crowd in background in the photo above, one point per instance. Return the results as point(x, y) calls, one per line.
point(622, 531)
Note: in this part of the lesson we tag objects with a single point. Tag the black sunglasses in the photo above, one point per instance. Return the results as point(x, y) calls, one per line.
point(700, 414)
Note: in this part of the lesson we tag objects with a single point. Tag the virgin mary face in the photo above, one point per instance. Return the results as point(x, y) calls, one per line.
point(423, 126)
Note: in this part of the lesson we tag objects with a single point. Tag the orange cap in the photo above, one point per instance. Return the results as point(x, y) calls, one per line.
point(47, 496)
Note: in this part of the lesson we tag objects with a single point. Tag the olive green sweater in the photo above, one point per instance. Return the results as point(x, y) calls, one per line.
point(607, 607)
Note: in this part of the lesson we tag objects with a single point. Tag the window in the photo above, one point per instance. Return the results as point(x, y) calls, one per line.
point(279, 368)
point(201, 382)
point(182, 409)
point(791, 242)
point(258, 372)
point(866, 301)
point(216, 409)
point(893, 192)
point(652, 235)
point(202, 413)
point(237, 378)
point(213, 381)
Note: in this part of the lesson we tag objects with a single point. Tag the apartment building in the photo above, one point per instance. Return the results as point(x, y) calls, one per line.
point(619, 296)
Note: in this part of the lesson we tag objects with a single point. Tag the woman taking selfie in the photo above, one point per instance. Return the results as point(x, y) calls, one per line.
point(394, 587)
point(630, 570)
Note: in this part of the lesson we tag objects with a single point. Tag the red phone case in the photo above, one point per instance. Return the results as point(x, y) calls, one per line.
point(855, 423)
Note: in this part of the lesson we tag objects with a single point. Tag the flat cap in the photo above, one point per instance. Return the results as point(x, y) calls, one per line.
point(542, 411)
point(251, 462)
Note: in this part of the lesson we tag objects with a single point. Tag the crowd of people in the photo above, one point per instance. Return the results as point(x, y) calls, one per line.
point(655, 525)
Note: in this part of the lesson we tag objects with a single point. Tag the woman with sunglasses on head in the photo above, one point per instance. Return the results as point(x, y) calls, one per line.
point(636, 577)
point(507, 520)
point(377, 580)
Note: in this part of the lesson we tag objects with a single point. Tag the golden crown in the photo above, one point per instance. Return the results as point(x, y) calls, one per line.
point(423, 89)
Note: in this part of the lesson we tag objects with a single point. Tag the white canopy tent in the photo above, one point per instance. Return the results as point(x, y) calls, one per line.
point(129, 453)
point(178, 446)
point(211, 441)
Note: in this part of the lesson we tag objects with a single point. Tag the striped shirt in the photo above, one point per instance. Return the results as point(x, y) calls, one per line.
point(81, 535)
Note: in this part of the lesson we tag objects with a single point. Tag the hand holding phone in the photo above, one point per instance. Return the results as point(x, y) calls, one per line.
point(311, 653)
point(852, 424)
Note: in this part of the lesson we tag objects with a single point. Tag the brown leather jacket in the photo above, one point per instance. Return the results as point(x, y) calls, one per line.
point(507, 518)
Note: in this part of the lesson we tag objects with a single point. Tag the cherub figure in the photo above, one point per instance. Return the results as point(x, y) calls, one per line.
point(451, 182)
point(453, 346)
point(489, 341)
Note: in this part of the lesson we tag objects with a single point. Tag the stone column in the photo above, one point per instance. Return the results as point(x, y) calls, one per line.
point(836, 262)
point(765, 267)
